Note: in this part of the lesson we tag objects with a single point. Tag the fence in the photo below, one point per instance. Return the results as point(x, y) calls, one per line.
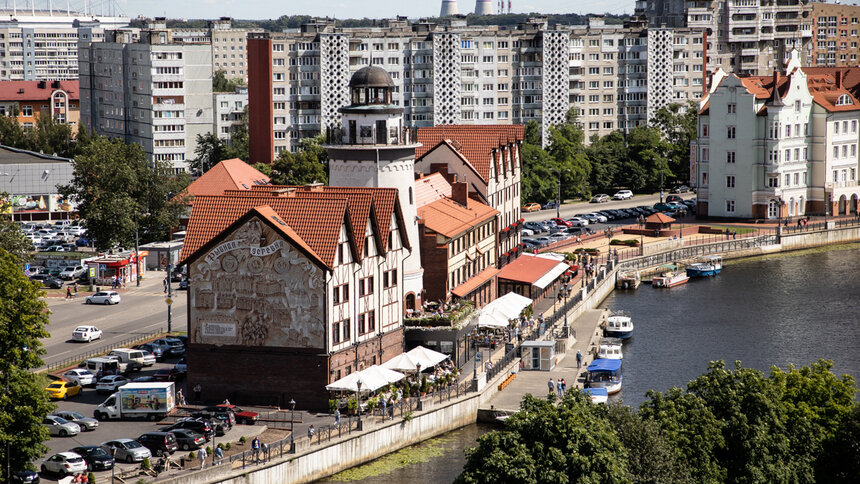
point(101, 350)
point(817, 226)
point(722, 247)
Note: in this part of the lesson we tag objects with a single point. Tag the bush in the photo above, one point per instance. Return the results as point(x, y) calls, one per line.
point(209, 450)
point(227, 447)
point(220, 445)
point(332, 405)
point(352, 405)
point(192, 455)
point(146, 464)
point(242, 439)
point(627, 243)
point(91, 478)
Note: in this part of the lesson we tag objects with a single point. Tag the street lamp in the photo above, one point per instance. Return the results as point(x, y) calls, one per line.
point(292, 409)
point(358, 384)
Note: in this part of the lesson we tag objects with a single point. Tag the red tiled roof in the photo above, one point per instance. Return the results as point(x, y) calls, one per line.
point(826, 84)
point(527, 269)
point(476, 142)
point(449, 218)
point(10, 90)
point(475, 282)
point(233, 174)
point(430, 188)
point(281, 226)
point(659, 218)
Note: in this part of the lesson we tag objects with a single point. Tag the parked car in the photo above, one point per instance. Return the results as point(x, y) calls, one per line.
point(550, 205)
point(246, 417)
point(80, 376)
point(156, 350)
point(531, 207)
point(165, 374)
point(201, 426)
point(577, 222)
point(97, 459)
point(623, 195)
point(222, 418)
point(183, 284)
point(187, 439)
point(60, 426)
point(674, 198)
point(103, 297)
point(148, 358)
point(562, 222)
point(61, 389)
point(159, 443)
point(175, 346)
point(181, 367)
point(126, 450)
point(111, 383)
point(681, 189)
point(25, 477)
point(72, 272)
point(64, 464)
point(86, 333)
point(543, 241)
point(55, 248)
point(47, 280)
point(526, 232)
point(82, 242)
point(531, 244)
point(85, 423)
point(600, 198)
point(535, 226)
point(662, 207)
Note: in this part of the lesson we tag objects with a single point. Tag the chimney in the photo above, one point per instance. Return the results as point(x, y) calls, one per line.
point(484, 7)
point(838, 79)
point(449, 7)
point(442, 169)
point(460, 193)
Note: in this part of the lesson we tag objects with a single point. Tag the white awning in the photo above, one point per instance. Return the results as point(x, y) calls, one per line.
point(372, 379)
point(401, 362)
point(553, 274)
point(498, 313)
point(426, 357)
point(493, 319)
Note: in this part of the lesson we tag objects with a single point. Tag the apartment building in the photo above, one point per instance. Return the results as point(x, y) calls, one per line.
point(148, 88)
point(43, 45)
point(453, 73)
point(783, 145)
point(750, 36)
point(835, 35)
point(229, 45)
point(229, 109)
point(30, 100)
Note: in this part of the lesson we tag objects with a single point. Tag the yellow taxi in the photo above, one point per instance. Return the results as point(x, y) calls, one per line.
point(531, 207)
point(63, 389)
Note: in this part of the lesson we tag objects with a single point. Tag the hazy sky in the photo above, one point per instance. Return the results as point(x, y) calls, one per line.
point(258, 9)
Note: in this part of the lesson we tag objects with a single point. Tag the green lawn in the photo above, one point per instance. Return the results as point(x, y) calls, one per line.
point(739, 230)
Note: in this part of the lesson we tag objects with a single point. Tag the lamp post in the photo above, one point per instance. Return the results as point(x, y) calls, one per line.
point(358, 407)
point(292, 409)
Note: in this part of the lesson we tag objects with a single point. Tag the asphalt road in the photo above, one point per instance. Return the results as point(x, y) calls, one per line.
point(575, 208)
point(141, 310)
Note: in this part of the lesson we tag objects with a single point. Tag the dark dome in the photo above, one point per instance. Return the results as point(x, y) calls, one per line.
point(371, 76)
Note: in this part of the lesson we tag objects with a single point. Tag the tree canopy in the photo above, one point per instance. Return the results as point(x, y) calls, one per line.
point(220, 83)
point(798, 425)
point(308, 165)
point(12, 239)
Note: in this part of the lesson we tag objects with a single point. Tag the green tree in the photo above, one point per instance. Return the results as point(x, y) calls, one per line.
point(51, 137)
point(607, 155)
point(678, 123)
point(839, 459)
point(647, 158)
point(117, 189)
point(23, 319)
point(538, 182)
point(568, 153)
point(12, 240)
point(209, 152)
point(308, 165)
point(220, 83)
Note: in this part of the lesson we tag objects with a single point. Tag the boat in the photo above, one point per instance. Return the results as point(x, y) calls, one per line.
point(628, 280)
point(597, 395)
point(604, 373)
point(670, 276)
point(618, 326)
point(610, 348)
point(706, 267)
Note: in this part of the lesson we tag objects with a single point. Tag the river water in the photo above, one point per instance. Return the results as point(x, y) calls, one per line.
point(781, 309)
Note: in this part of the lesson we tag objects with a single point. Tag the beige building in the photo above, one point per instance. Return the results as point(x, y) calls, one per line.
point(835, 35)
point(229, 45)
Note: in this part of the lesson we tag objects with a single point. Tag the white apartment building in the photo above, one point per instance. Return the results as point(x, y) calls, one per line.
point(151, 90)
point(229, 109)
point(780, 146)
point(43, 45)
point(453, 73)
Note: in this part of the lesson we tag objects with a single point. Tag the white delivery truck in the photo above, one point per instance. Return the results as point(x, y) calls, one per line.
point(149, 400)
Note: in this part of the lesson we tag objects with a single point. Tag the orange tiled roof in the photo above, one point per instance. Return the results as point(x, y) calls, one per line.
point(476, 142)
point(430, 188)
point(659, 218)
point(281, 226)
point(30, 90)
point(826, 84)
point(527, 269)
point(475, 282)
point(316, 221)
point(449, 218)
point(233, 174)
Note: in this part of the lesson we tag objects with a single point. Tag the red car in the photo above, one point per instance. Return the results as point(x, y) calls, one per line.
point(562, 222)
point(165, 374)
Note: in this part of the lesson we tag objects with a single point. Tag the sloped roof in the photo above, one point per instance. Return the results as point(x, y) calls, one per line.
point(430, 188)
point(449, 218)
point(476, 142)
point(10, 90)
point(528, 268)
point(233, 174)
point(475, 282)
point(659, 218)
point(267, 213)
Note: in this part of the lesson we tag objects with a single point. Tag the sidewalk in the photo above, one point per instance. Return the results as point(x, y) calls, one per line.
point(150, 284)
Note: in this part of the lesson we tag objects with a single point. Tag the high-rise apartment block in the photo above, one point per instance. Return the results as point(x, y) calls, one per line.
point(229, 45)
point(149, 88)
point(453, 73)
point(835, 35)
point(43, 45)
point(229, 109)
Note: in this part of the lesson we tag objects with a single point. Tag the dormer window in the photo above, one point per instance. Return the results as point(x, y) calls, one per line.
point(844, 100)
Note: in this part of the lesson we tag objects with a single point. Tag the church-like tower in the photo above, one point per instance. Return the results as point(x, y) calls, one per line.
point(372, 149)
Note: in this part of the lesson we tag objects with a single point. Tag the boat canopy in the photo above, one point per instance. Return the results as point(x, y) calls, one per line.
point(604, 365)
point(596, 392)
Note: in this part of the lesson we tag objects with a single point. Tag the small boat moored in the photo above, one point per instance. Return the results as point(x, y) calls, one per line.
point(597, 395)
point(618, 326)
point(628, 280)
point(706, 267)
point(610, 348)
point(670, 276)
point(604, 373)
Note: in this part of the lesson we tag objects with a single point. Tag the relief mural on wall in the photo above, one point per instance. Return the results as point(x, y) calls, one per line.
point(256, 289)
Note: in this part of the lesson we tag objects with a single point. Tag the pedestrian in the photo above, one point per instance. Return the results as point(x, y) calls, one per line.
point(219, 454)
point(255, 447)
point(165, 285)
point(578, 359)
point(76, 289)
point(384, 408)
point(558, 387)
point(337, 416)
point(311, 432)
point(563, 385)
point(201, 454)
point(197, 391)
point(68, 292)
point(551, 385)
point(180, 397)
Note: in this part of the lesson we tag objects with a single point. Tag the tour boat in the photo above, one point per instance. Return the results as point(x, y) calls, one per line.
point(610, 348)
point(604, 373)
point(670, 276)
point(709, 266)
point(597, 395)
point(618, 326)
point(627, 280)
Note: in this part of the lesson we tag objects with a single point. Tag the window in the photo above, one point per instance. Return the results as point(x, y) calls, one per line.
point(788, 131)
point(345, 324)
point(340, 294)
point(787, 180)
point(730, 181)
point(732, 108)
point(797, 178)
point(836, 152)
point(730, 206)
point(705, 131)
point(27, 111)
point(730, 156)
point(389, 278)
point(730, 132)
point(335, 333)
point(836, 127)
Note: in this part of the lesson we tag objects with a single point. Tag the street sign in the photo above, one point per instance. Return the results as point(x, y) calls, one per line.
point(27, 272)
point(27, 267)
point(92, 272)
point(102, 267)
point(168, 300)
point(478, 356)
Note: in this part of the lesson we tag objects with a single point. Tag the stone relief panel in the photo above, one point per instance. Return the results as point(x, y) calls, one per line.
point(256, 289)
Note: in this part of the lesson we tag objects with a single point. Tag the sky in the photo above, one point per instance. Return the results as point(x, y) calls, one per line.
point(263, 9)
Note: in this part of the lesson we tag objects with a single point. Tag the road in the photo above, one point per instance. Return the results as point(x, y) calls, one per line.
point(571, 209)
point(142, 309)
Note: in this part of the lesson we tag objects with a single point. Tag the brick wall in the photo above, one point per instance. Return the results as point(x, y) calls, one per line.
point(435, 262)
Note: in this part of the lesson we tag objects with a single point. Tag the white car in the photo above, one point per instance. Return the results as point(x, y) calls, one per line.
point(72, 272)
point(80, 376)
point(103, 297)
point(623, 195)
point(600, 218)
point(526, 232)
point(60, 426)
point(86, 333)
point(578, 221)
point(148, 358)
point(64, 464)
point(110, 383)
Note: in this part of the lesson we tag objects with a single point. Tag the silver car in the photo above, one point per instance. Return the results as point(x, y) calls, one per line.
point(60, 426)
point(126, 450)
point(85, 423)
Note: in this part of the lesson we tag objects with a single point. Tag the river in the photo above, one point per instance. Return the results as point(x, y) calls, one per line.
point(781, 309)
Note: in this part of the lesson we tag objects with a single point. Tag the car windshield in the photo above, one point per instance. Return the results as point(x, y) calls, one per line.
point(61, 420)
point(75, 415)
point(97, 452)
point(82, 328)
point(55, 385)
point(132, 445)
point(74, 460)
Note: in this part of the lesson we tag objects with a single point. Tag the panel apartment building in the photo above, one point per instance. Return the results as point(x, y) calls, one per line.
point(835, 35)
point(147, 87)
point(453, 73)
point(43, 45)
point(229, 45)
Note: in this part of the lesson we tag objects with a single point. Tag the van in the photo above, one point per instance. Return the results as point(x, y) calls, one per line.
point(133, 359)
point(159, 443)
point(103, 366)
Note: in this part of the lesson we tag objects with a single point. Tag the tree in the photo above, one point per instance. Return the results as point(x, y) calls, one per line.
point(607, 155)
point(306, 166)
point(239, 140)
point(678, 123)
point(12, 240)
point(116, 190)
point(23, 319)
point(839, 459)
point(566, 150)
point(647, 151)
point(220, 83)
point(209, 152)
